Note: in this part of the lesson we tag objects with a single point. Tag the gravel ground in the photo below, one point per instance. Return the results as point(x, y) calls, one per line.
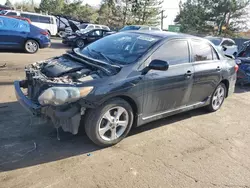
point(193, 149)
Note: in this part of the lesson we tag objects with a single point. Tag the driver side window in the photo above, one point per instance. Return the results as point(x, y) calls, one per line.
point(95, 33)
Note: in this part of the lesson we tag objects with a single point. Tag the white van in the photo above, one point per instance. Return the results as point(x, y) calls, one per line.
point(46, 22)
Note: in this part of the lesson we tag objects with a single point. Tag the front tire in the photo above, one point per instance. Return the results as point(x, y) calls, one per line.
point(217, 98)
point(110, 123)
point(80, 43)
point(31, 46)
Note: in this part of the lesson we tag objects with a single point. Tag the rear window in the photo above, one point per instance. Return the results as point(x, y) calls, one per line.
point(11, 14)
point(130, 27)
point(215, 41)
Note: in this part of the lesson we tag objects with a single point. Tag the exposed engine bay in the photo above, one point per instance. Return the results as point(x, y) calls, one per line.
point(49, 76)
point(63, 70)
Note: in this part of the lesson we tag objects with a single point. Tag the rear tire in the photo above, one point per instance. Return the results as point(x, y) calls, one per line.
point(217, 98)
point(110, 123)
point(31, 46)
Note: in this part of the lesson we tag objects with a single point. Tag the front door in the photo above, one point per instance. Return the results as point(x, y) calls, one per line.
point(94, 35)
point(168, 90)
point(207, 71)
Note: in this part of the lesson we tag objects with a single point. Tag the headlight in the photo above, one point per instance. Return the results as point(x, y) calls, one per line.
point(61, 95)
point(72, 37)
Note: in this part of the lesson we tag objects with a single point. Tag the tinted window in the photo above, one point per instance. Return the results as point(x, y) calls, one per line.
point(130, 27)
point(123, 48)
point(34, 18)
point(90, 27)
point(105, 27)
point(215, 41)
point(201, 51)
point(98, 27)
point(43, 19)
point(11, 14)
point(83, 26)
point(174, 52)
point(95, 33)
point(228, 43)
point(25, 15)
point(245, 53)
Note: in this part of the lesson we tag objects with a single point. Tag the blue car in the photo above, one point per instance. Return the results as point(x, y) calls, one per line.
point(19, 34)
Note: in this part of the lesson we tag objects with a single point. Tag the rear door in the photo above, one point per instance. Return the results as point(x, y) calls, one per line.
point(168, 90)
point(207, 71)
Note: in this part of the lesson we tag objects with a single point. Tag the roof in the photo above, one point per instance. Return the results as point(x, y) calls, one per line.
point(162, 34)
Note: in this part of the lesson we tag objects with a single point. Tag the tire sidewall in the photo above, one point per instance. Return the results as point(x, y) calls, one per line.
point(30, 40)
point(211, 101)
point(94, 132)
point(82, 42)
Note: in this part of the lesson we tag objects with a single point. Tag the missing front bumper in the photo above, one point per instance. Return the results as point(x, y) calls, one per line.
point(68, 118)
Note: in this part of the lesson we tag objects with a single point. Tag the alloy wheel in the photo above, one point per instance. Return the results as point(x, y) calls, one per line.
point(218, 98)
point(113, 123)
point(31, 46)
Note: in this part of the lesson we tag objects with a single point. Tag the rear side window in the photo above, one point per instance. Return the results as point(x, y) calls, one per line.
point(201, 51)
point(34, 18)
point(98, 27)
point(90, 27)
point(105, 27)
point(43, 19)
point(174, 52)
point(11, 14)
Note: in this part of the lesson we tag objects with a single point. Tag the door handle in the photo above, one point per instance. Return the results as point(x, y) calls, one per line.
point(188, 74)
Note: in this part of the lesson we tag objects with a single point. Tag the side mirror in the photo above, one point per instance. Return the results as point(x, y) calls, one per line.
point(224, 48)
point(158, 65)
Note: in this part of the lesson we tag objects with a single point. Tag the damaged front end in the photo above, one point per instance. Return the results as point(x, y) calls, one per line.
point(56, 89)
point(243, 74)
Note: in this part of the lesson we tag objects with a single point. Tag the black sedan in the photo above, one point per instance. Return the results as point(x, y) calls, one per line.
point(80, 39)
point(125, 79)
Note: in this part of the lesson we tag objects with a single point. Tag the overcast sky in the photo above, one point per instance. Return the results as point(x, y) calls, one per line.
point(170, 6)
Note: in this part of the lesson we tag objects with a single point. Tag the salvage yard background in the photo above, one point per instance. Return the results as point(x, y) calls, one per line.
point(194, 149)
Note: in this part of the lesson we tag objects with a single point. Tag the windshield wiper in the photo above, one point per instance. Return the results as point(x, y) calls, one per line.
point(105, 57)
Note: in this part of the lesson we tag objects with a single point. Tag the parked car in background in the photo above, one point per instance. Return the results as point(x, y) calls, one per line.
point(85, 37)
point(129, 78)
point(83, 27)
point(19, 34)
point(46, 22)
point(226, 45)
point(135, 27)
point(20, 18)
point(243, 61)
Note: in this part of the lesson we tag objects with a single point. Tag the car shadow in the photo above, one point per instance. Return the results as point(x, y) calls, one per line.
point(27, 141)
point(242, 89)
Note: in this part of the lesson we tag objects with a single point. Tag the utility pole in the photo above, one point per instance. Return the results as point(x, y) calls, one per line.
point(162, 17)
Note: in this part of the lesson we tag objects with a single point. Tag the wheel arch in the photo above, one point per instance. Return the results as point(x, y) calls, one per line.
point(226, 82)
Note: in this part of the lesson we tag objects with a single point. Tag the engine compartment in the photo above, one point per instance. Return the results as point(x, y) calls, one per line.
point(63, 69)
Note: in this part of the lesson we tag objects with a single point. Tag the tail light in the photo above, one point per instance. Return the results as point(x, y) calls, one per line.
point(236, 68)
point(44, 33)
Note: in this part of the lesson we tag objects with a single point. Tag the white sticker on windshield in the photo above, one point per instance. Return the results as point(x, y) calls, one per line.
point(147, 38)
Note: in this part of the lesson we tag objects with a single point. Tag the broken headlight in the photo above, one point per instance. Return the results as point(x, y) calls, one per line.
point(61, 95)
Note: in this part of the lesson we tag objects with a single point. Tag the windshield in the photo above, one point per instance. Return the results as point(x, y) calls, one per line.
point(2, 12)
point(130, 27)
point(83, 26)
point(215, 41)
point(121, 48)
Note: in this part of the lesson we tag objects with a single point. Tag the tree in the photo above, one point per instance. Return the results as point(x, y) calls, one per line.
point(25, 6)
point(8, 3)
point(146, 11)
point(203, 16)
point(51, 6)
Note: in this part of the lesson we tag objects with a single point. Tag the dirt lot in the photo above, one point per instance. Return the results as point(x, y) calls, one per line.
point(193, 149)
